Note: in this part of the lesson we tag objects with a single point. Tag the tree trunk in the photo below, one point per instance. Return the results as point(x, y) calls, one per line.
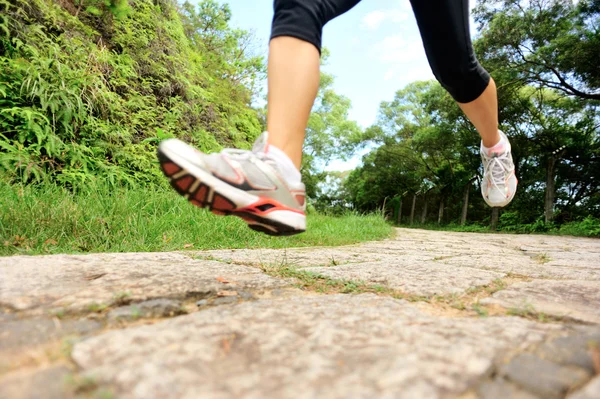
point(494, 223)
point(383, 212)
point(424, 212)
point(441, 211)
point(400, 212)
point(550, 190)
point(412, 210)
point(551, 183)
point(463, 216)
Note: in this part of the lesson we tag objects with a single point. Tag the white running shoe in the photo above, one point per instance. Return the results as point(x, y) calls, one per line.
point(243, 183)
point(499, 182)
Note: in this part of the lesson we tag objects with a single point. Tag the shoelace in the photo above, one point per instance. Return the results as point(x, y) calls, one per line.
point(497, 167)
point(257, 150)
point(236, 153)
point(244, 155)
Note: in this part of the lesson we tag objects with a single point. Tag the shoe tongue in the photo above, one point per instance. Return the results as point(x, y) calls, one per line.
point(260, 145)
point(497, 150)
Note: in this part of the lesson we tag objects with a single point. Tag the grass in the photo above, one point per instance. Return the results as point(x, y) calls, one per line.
point(542, 258)
point(316, 282)
point(588, 227)
point(469, 228)
point(49, 219)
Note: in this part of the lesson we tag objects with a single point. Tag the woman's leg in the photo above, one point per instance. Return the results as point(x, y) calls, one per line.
point(293, 70)
point(444, 27)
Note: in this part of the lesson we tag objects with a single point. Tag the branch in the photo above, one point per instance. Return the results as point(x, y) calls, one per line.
point(563, 86)
point(588, 96)
point(78, 8)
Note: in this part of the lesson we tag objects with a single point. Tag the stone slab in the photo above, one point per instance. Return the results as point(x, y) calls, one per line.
point(427, 262)
point(575, 350)
point(576, 300)
point(296, 257)
point(154, 308)
point(75, 283)
point(22, 339)
point(333, 346)
point(502, 389)
point(542, 377)
point(47, 382)
point(590, 391)
point(419, 278)
point(523, 265)
point(17, 334)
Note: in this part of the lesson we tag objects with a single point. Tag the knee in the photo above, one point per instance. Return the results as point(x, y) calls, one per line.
point(303, 19)
point(464, 81)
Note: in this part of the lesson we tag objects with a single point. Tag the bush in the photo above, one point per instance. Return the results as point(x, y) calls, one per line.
point(588, 227)
point(510, 221)
point(88, 93)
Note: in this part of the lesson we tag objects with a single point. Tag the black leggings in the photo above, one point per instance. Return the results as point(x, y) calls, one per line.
point(444, 27)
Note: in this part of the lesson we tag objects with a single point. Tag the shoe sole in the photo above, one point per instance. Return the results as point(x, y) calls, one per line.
point(499, 204)
point(203, 190)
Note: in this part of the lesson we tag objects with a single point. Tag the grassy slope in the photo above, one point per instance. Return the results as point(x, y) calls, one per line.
point(49, 219)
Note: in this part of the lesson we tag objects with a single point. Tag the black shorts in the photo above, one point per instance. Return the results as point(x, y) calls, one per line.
point(444, 27)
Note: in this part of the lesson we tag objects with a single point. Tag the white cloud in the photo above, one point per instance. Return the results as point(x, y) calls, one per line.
point(404, 57)
point(399, 15)
point(389, 74)
point(400, 48)
point(375, 19)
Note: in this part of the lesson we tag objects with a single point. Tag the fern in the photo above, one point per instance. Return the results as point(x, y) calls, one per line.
point(88, 92)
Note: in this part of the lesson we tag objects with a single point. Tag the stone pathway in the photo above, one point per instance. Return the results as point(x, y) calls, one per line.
point(423, 315)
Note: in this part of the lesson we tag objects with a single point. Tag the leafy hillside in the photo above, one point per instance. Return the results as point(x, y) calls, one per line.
point(88, 87)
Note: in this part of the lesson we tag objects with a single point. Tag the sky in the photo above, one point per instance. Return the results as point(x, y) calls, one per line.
point(376, 50)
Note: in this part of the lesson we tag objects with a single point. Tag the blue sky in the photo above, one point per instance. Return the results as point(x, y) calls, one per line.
point(375, 50)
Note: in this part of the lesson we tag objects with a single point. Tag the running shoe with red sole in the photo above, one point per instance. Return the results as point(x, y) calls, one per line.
point(243, 183)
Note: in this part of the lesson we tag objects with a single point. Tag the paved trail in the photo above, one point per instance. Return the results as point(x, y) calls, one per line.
point(424, 315)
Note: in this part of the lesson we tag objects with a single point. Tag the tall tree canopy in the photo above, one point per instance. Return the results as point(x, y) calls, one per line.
point(550, 43)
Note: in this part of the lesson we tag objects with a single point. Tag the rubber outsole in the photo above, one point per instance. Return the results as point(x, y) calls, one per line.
point(204, 196)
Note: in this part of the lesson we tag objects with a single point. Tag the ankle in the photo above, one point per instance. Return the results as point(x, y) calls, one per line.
point(287, 168)
point(491, 141)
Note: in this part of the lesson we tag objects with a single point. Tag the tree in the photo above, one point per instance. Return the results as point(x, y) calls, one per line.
point(465, 209)
point(436, 149)
point(228, 52)
point(548, 43)
point(556, 127)
point(329, 133)
point(543, 57)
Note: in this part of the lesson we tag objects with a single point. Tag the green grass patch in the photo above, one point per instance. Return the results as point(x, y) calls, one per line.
point(312, 281)
point(49, 219)
point(587, 227)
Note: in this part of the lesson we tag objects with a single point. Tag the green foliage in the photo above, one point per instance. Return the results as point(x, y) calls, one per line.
point(543, 57)
point(509, 220)
point(89, 88)
point(118, 8)
point(329, 134)
point(588, 227)
point(553, 43)
point(40, 219)
point(424, 148)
